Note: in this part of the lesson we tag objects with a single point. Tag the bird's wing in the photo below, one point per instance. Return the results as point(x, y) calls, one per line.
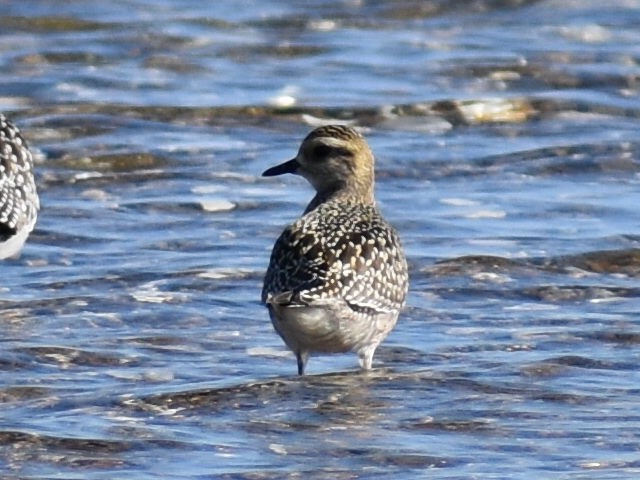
point(362, 265)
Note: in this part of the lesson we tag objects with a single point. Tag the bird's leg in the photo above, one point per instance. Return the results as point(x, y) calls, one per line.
point(365, 356)
point(302, 356)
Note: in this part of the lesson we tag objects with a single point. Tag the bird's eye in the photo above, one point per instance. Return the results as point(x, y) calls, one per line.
point(320, 152)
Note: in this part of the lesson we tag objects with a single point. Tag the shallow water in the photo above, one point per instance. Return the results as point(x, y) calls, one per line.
point(134, 344)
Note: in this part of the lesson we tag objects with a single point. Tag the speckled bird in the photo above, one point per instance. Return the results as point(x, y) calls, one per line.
point(19, 201)
point(337, 279)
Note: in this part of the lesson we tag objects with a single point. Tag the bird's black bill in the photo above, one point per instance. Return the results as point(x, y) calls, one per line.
point(290, 166)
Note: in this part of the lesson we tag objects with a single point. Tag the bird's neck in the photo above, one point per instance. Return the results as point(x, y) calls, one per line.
point(343, 195)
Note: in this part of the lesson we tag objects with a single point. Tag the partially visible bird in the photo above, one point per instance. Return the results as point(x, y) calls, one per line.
point(337, 278)
point(19, 203)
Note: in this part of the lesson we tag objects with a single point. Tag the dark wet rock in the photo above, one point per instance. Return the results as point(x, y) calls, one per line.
point(558, 366)
point(451, 425)
point(577, 293)
point(66, 357)
point(626, 262)
point(478, 263)
point(23, 393)
point(616, 337)
point(63, 451)
point(51, 24)
point(114, 162)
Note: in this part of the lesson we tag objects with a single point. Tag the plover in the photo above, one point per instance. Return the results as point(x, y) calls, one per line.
point(19, 201)
point(337, 278)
